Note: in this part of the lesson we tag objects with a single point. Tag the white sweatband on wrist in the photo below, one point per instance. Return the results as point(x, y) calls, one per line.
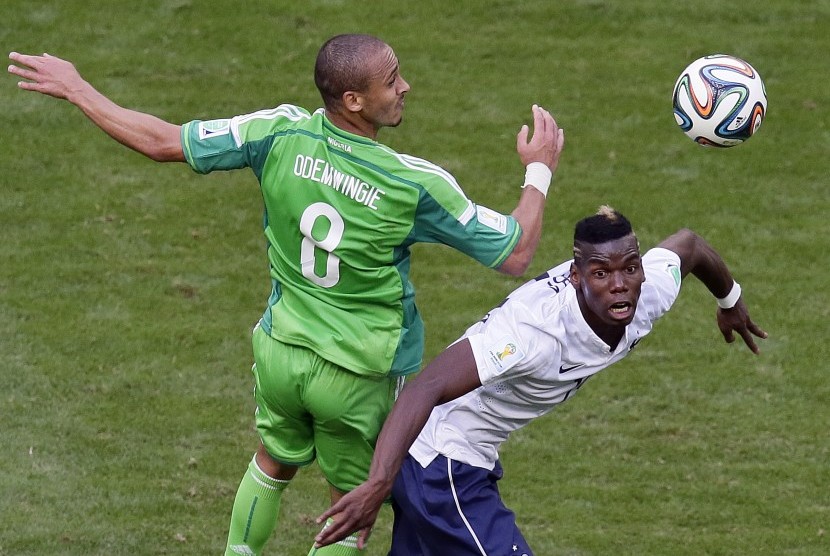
point(538, 176)
point(731, 298)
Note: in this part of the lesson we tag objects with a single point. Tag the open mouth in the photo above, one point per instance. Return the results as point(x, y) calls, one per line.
point(621, 309)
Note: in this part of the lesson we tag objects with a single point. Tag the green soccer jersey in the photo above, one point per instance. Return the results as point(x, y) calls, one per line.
point(341, 212)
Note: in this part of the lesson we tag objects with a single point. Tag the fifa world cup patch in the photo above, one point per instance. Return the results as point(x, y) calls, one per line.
point(213, 128)
point(505, 353)
point(492, 219)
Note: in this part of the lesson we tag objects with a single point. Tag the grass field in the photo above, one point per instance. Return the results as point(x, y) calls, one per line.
point(128, 288)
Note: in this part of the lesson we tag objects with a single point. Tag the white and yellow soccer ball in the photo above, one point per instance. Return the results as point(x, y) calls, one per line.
point(719, 100)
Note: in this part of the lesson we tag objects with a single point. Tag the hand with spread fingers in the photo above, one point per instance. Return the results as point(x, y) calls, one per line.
point(737, 320)
point(46, 74)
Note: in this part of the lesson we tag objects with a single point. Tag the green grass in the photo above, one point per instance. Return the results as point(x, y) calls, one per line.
point(128, 288)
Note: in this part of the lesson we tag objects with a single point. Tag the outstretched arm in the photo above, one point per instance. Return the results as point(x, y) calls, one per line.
point(450, 375)
point(49, 75)
point(544, 148)
point(701, 259)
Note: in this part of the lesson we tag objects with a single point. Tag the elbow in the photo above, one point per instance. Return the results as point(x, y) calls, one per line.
point(155, 156)
point(516, 264)
point(164, 145)
point(692, 243)
point(164, 152)
point(687, 234)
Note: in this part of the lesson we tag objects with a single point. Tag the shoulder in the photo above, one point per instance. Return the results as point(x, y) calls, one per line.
point(533, 308)
point(663, 280)
point(662, 261)
point(415, 169)
point(547, 290)
point(261, 123)
point(283, 111)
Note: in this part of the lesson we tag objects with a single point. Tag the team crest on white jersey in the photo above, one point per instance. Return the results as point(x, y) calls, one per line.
point(492, 219)
point(213, 128)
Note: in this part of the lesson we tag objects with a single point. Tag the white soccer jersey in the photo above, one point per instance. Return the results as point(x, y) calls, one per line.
point(533, 352)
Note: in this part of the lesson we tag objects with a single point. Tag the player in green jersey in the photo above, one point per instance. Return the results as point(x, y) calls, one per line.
point(341, 211)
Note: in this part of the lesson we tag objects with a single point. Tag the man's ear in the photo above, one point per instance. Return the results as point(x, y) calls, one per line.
point(574, 277)
point(352, 101)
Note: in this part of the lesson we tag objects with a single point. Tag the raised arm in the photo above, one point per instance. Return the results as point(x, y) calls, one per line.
point(149, 135)
point(541, 157)
point(450, 375)
point(701, 259)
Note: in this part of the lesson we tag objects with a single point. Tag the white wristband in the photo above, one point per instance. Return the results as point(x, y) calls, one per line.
point(731, 298)
point(538, 176)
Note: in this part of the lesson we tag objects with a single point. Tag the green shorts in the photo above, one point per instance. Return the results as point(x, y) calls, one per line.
point(308, 407)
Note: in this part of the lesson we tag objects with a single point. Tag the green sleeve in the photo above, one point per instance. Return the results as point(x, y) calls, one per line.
point(239, 142)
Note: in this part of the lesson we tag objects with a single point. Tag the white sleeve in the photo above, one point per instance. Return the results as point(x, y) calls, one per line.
point(663, 278)
point(495, 357)
point(510, 344)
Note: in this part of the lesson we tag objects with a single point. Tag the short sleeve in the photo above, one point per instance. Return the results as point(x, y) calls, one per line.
point(210, 145)
point(663, 280)
point(479, 232)
point(238, 142)
point(511, 344)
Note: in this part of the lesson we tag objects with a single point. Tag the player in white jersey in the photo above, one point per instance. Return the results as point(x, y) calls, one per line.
point(531, 353)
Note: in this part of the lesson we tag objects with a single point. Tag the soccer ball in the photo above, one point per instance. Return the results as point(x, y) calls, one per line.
point(719, 101)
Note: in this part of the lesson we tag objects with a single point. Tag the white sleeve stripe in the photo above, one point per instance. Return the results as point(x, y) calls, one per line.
point(421, 165)
point(467, 215)
point(237, 140)
point(284, 110)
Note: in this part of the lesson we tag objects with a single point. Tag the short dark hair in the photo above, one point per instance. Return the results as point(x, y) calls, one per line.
point(606, 225)
point(341, 65)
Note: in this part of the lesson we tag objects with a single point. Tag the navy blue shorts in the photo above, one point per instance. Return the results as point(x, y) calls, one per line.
point(452, 508)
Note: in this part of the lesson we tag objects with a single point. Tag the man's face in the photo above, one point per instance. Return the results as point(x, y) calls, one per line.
point(383, 100)
point(608, 278)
